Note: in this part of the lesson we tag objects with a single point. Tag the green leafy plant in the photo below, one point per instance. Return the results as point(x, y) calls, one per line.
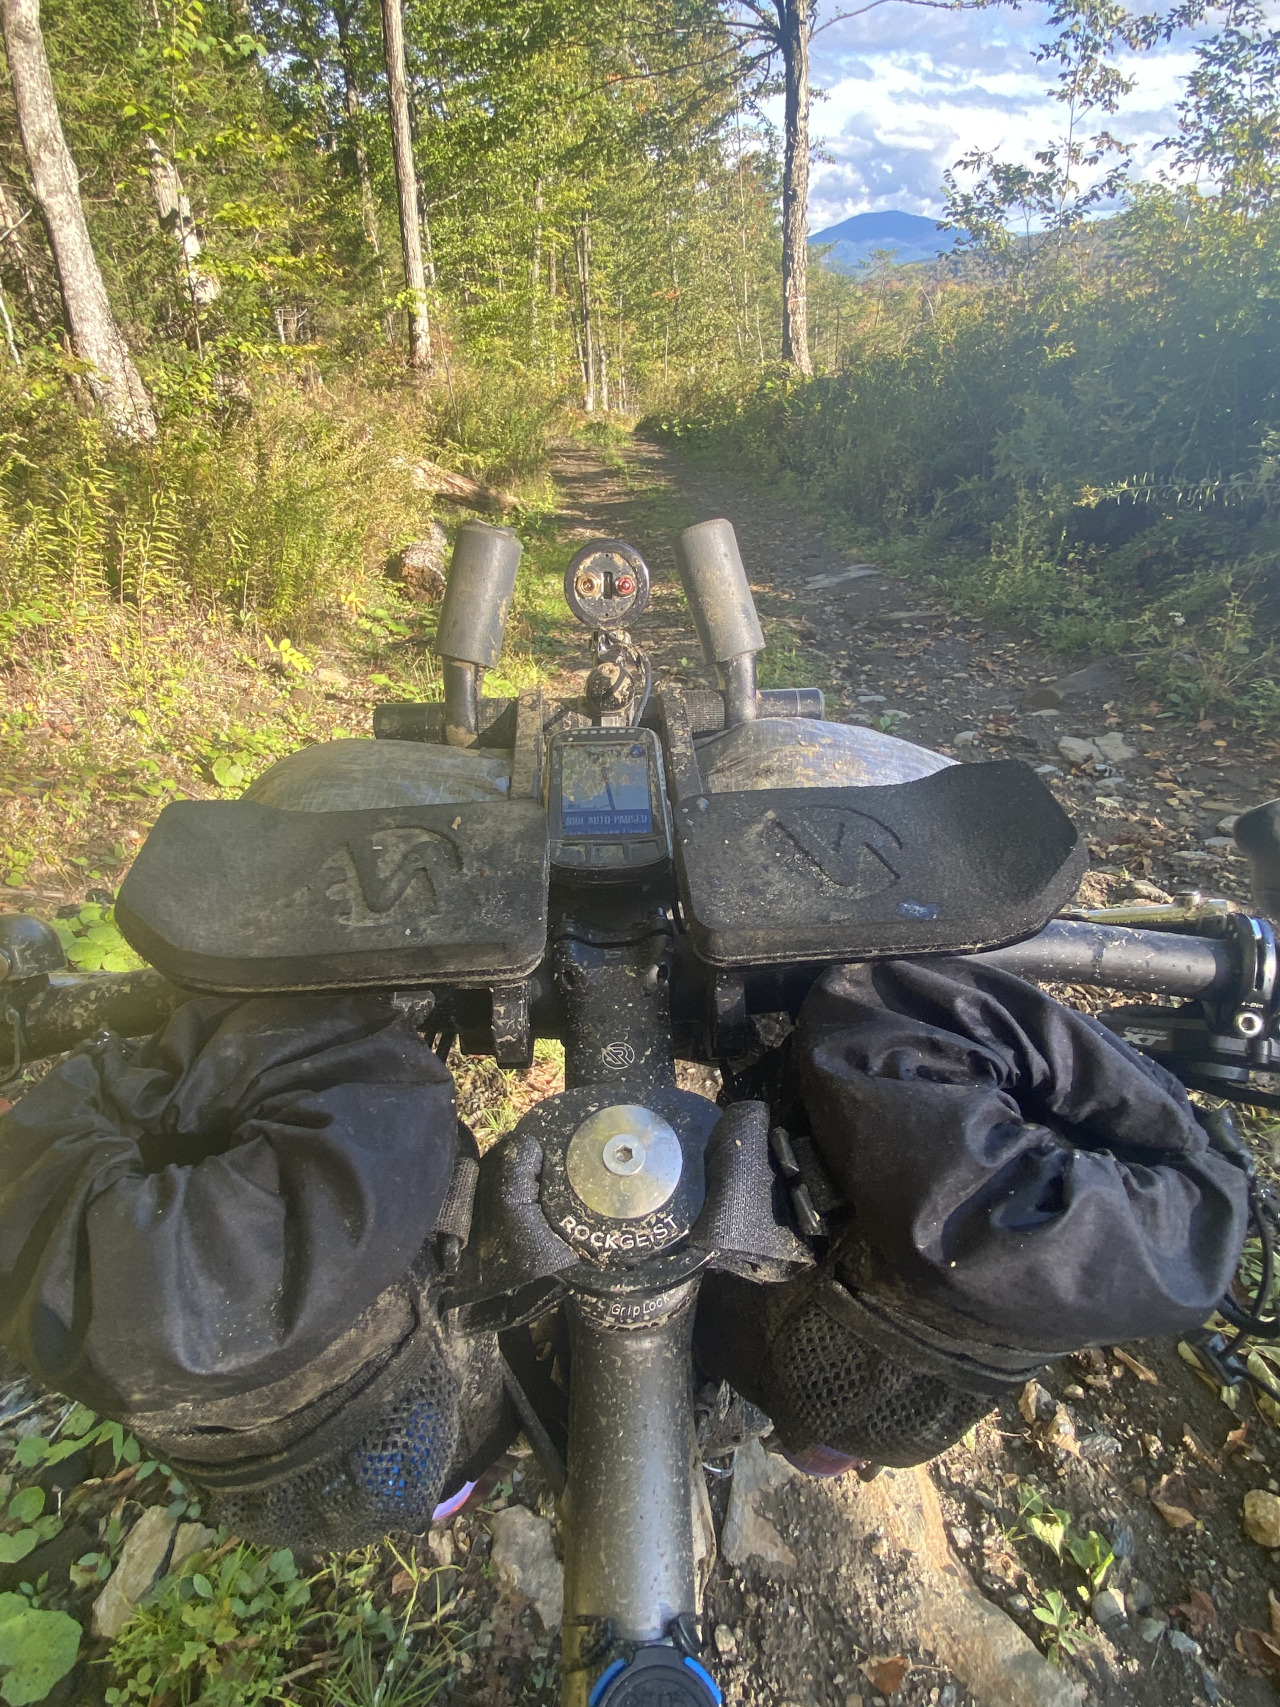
point(1063, 1633)
point(220, 1630)
point(81, 1432)
point(92, 941)
point(34, 1525)
point(36, 1649)
point(1093, 1553)
point(1049, 1524)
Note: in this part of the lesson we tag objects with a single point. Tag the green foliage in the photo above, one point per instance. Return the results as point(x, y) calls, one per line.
point(34, 1525)
point(92, 941)
point(1094, 1555)
point(81, 1432)
point(1047, 1523)
point(36, 1649)
point(1063, 1634)
point(220, 1631)
point(1060, 444)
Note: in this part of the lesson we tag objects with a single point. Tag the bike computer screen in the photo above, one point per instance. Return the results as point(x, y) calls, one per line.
point(605, 801)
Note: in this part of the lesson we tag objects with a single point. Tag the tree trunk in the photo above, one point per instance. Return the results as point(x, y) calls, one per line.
point(351, 100)
point(583, 247)
point(174, 212)
point(28, 256)
point(95, 337)
point(535, 266)
point(415, 277)
point(795, 34)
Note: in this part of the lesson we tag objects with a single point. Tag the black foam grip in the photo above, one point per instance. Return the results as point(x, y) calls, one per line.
point(1257, 835)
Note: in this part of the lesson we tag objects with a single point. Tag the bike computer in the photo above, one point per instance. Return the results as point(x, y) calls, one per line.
point(606, 803)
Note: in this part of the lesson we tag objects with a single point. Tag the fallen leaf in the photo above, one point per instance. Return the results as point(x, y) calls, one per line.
point(401, 1583)
point(887, 1674)
point(1236, 1441)
point(1028, 1400)
point(1274, 1606)
point(1199, 1451)
point(1176, 1516)
point(1135, 1367)
point(1259, 1649)
point(1199, 1611)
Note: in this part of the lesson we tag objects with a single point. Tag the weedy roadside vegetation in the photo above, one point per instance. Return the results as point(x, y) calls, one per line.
point(1075, 437)
point(230, 1625)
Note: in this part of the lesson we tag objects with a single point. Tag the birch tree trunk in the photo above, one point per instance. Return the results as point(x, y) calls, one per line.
point(173, 209)
point(406, 184)
point(583, 248)
point(795, 31)
point(95, 337)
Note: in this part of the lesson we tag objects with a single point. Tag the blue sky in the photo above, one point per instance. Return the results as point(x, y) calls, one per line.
point(909, 90)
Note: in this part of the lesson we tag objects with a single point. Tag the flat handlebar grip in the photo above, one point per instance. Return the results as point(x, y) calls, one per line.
point(715, 584)
point(482, 578)
point(1257, 835)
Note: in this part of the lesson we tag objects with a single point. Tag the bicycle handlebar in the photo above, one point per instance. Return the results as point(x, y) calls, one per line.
point(1074, 951)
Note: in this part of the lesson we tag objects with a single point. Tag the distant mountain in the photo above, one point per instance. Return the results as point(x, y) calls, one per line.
point(910, 236)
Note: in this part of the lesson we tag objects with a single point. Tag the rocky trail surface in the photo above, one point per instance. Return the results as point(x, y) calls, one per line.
point(950, 1584)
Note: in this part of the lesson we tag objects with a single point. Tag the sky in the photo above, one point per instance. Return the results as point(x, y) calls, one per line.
point(907, 91)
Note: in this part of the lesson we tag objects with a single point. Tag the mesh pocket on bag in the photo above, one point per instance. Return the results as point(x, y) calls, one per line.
point(827, 1384)
point(391, 1478)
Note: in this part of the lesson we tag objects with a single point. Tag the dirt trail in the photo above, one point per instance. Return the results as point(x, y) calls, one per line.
point(1139, 1426)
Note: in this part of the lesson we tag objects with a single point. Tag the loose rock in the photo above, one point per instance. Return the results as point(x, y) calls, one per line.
point(1262, 1517)
point(145, 1553)
point(1139, 1597)
point(748, 1533)
point(1077, 751)
point(1114, 747)
point(526, 1561)
point(1108, 1607)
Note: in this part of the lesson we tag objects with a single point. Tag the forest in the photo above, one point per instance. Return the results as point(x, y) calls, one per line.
point(331, 244)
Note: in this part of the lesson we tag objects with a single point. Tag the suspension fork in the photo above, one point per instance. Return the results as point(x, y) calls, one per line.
point(628, 1503)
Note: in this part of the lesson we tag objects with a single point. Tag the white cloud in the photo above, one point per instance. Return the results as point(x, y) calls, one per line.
point(908, 91)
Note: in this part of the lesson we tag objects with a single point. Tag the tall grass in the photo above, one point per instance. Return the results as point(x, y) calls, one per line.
point(278, 505)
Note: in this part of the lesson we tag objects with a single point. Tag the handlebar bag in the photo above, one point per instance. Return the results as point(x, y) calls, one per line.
point(1019, 1183)
point(219, 1236)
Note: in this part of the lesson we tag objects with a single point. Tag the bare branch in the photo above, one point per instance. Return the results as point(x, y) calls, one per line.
point(932, 5)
